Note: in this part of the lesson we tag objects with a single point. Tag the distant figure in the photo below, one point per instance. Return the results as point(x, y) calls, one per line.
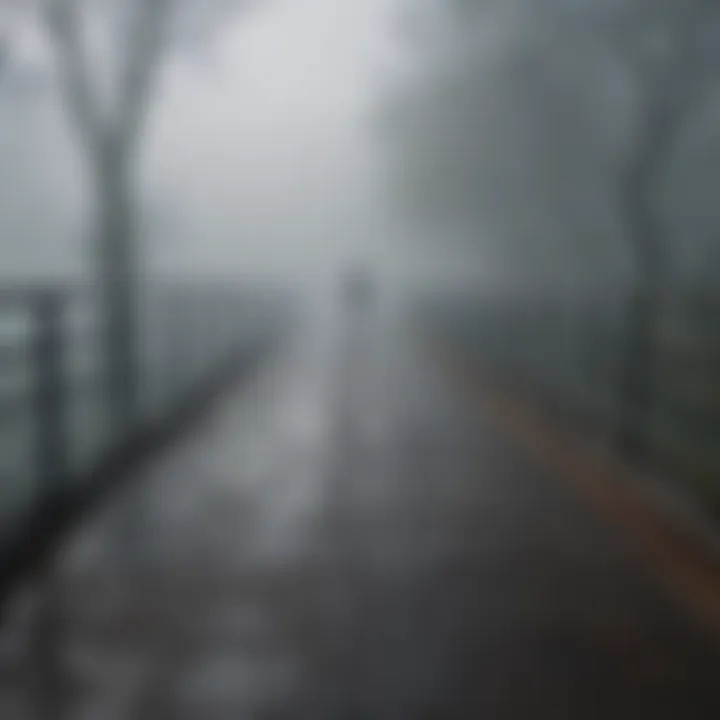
point(4, 54)
point(358, 288)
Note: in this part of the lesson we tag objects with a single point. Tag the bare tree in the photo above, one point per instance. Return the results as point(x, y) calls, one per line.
point(109, 55)
point(667, 51)
point(671, 51)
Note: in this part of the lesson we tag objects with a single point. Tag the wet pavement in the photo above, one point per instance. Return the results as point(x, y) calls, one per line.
point(345, 538)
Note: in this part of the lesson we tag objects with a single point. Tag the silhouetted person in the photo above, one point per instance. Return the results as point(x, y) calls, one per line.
point(4, 56)
point(358, 288)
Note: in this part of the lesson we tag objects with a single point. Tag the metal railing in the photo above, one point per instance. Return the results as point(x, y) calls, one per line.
point(570, 351)
point(54, 423)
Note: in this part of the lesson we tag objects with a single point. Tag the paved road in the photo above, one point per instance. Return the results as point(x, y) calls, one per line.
point(347, 538)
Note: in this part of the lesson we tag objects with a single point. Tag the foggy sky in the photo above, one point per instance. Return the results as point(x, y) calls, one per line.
point(512, 134)
point(259, 157)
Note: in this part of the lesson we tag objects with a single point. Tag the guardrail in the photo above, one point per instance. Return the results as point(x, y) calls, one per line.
point(59, 450)
point(569, 351)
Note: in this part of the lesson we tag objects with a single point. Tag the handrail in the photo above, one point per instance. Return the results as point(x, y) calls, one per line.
point(57, 377)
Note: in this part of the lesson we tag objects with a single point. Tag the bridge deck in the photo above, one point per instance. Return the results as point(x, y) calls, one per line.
point(345, 539)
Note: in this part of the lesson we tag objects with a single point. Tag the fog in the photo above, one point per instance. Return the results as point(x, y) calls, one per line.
point(359, 359)
point(296, 137)
point(520, 122)
point(259, 157)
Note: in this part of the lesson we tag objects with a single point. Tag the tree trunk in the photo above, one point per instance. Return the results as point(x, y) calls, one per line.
point(637, 391)
point(648, 245)
point(118, 290)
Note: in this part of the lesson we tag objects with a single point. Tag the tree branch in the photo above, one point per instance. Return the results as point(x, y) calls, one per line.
point(148, 25)
point(673, 93)
point(64, 26)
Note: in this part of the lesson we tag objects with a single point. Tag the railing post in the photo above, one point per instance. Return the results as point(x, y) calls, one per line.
point(51, 448)
point(176, 351)
point(51, 466)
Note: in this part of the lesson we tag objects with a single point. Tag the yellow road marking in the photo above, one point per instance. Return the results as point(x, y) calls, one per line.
point(685, 565)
